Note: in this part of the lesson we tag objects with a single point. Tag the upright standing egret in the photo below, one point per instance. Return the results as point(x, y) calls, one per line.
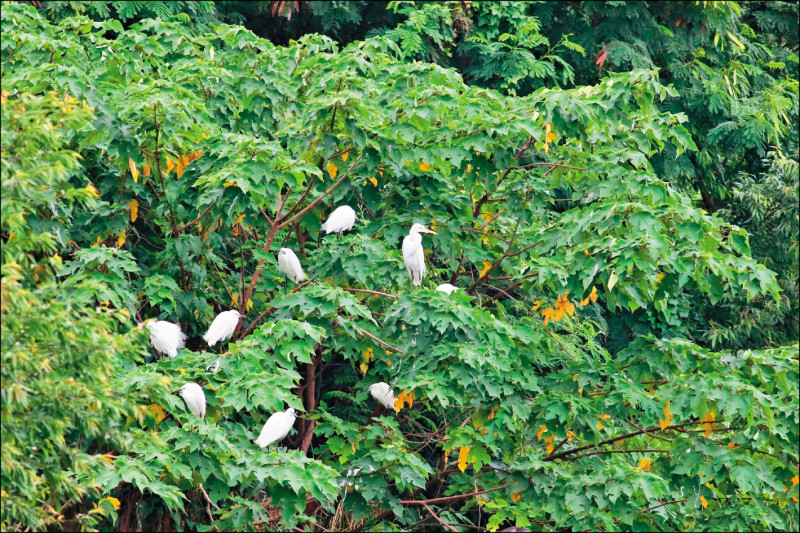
point(195, 399)
point(383, 393)
point(222, 327)
point(290, 265)
point(341, 220)
point(447, 288)
point(414, 255)
point(166, 337)
point(276, 427)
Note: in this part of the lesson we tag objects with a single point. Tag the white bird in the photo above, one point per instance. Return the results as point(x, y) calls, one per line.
point(213, 369)
point(383, 393)
point(414, 255)
point(222, 327)
point(276, 427)
point(447, 288)
point(290, 265)
point(341, 220)
point(195, 399)
point(166, 337)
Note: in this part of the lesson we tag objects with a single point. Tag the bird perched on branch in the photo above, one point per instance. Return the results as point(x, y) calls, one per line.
point(342, 219)
point(195, 399)
point(414, 255)
point(166, 337)
point(447, 288)
point(223, 326)
point(276, 427)
point(383, 393)
point(290, 265)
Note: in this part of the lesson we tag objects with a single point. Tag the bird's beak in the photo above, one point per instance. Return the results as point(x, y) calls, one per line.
point(426, 230)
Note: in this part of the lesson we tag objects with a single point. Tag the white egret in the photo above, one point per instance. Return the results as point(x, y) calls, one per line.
point(290, 265)
point(447, 288)
point(195, 399)
point(276, 427)
point(341, 220)
point(383, 393)
point(414, 255)
point(223, 326)
point(166, 337)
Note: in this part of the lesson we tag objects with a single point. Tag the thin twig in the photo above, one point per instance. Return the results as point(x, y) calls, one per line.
point(392, 296)
point(448, 526)
point(373, 337)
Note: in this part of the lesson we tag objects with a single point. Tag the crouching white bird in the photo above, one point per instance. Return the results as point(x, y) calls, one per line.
point(446, 288)
point(195, 399)
point(414, 255)
point(290, 265)
point(383, 393)
point(222, 327)
point(341, 220)
point(166, 337)
point(276, 427)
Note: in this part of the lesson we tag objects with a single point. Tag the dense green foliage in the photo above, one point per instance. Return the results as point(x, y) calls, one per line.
point(166, 162)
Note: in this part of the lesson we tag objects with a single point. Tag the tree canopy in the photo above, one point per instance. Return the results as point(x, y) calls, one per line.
point(577, 379)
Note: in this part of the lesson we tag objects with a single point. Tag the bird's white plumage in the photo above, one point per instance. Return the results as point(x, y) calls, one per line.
point(383, 393)
point(222, 327)
point(341, 220)
point(414, 255)
point(290, 265)
point(195, 399)
point(446, 288)
point(166, 337)
point(276, 427)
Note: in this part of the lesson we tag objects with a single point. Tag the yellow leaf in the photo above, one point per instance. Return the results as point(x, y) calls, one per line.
point(586, 251)
point(249, 305)
point(134, 170)
point(515, 497)
point(605, 417)
point(546, 148)
point(425, 167)
point(661, 276)
point(180, 166)
point(580, 391)
point(703, 502)
point(234, 300)
point(345, 155)
point(121, 240)
point(547, 314)
point(134, 205)
point(664, 424)
point(486, 267)
point(795, 500)
point(593, 294)
point(559, 313)
point(239, 219)
point(145, 170)
point(541, 431)
point(600, 426)
point(708, 485)
point(196, 313)
point(644, 465)
point(536, 305)
point(410, 399)
point(113, 501)
point(158, 412)
point(229, 183)
point(463, 453)
point(170, 165)
point(364, 368)
point(469, 168)
point(93, 190)
point(732, 445)
point(99, 240)
point(584, 302)
point(550, 137)
point(485, 240)
point(398, 404)
point(667, 413)
point(550, 446)
point(367, 355)
point(570, 435)
point(708, 423)
point(795, 480)
point(374, 181)
point(332, 170)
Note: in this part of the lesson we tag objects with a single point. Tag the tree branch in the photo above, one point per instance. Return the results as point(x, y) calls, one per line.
point(373, 337)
